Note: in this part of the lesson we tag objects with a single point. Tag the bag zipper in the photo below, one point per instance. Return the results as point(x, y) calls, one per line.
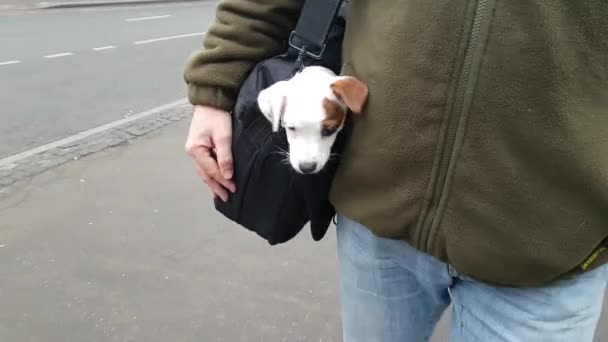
point(456, 117)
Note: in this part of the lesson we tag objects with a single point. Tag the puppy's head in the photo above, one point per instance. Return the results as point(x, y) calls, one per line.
point(312, 107)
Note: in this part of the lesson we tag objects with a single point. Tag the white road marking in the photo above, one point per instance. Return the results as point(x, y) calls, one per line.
point(10, 62)
point(168, 38)
point(8, 161)
point(149, 18)
point(104, 48)
point(57, 55)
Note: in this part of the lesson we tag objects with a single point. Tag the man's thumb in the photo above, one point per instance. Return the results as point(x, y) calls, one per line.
point(223, 147)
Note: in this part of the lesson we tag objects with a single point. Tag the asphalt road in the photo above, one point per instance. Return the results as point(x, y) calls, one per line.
point(65, 71)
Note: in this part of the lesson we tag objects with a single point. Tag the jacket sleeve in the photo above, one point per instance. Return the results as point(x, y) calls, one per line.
point(243, 33)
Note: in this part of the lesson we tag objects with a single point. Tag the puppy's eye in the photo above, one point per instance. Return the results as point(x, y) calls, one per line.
point(291, 129)
point(328, 131)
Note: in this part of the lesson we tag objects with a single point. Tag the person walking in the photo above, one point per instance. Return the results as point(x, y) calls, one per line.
point(477, 174)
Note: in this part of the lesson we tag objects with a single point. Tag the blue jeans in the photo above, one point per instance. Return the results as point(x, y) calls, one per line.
point(391, 292)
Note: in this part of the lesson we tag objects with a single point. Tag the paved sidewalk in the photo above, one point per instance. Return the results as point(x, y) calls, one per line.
point(124, 245)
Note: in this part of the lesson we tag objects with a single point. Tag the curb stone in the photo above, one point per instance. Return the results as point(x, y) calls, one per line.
point(38, 163)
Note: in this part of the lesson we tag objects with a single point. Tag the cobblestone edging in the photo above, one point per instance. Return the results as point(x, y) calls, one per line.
point(38, 163)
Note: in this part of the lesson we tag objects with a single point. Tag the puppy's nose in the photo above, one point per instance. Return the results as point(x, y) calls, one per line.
point(307, 167)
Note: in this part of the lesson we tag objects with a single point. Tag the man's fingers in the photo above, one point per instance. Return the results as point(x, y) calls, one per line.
point(209, 166)
point(208, 143)
point(216, 188)
point(223, 149)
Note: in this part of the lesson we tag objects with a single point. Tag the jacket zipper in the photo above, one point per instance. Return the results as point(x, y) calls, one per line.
point(465, 82)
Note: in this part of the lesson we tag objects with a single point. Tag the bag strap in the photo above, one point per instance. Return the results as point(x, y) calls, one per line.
point(313, 27)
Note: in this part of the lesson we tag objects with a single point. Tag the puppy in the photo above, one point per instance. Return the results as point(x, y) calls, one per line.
point(312, 107)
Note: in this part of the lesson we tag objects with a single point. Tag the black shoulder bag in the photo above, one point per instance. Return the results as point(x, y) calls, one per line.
point(271, 199)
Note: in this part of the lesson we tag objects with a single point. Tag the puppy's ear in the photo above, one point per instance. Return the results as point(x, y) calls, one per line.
point(271, 102)
point(351, 91)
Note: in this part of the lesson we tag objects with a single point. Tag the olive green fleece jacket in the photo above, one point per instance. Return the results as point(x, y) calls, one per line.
point(484, 141)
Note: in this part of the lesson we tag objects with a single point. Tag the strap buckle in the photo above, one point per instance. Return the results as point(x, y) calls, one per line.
point(303, 50)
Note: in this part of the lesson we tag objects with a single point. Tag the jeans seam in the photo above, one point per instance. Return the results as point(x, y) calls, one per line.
point(429, 330)
point(460, 324)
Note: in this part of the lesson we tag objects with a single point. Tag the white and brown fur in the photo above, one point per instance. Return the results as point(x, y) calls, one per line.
point(312, 107)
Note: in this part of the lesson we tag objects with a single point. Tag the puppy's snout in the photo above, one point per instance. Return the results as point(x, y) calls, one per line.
point(307, 167)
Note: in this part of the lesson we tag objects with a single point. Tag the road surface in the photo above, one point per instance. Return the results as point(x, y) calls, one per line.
point(65, 71)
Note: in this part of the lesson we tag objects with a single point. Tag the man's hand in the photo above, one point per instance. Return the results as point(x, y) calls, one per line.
point(209, 144)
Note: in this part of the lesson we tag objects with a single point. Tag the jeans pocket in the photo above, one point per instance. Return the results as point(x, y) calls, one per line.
point(349, 235)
